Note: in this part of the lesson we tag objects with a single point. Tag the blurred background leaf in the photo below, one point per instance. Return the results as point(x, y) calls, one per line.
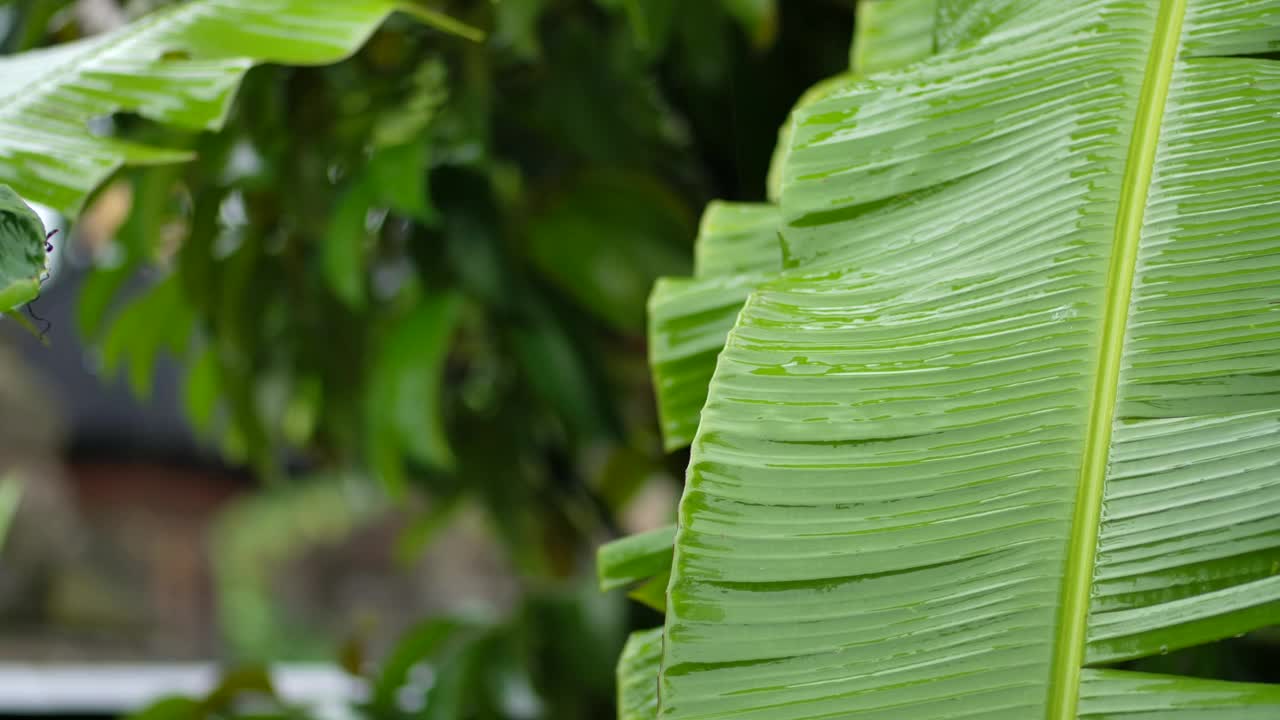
point(10, 495)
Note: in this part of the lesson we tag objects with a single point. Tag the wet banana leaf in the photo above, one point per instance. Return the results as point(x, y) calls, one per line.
point(180, 66)
point(1009, 413)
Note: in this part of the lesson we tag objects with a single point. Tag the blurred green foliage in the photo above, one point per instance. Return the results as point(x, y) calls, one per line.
point(10, 495)
point(424, 269)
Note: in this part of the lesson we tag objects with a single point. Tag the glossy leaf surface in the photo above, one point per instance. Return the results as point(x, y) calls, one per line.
point(1011, 409)
point(737, 248)
point(1116, 695)
point(180, 66)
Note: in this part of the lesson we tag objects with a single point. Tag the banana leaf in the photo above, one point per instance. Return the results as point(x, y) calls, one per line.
point(179, 66)
point(1009, 413)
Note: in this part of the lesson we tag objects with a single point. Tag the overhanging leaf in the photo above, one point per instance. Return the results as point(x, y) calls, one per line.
point(1011, 411)
point(179, 66)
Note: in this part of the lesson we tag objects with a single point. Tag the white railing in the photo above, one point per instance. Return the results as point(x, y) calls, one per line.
point(116, 688)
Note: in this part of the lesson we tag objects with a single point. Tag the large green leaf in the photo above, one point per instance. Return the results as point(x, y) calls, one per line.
point(179, 66)
point(22, 251)
point(738, 247)
point(1011, 411)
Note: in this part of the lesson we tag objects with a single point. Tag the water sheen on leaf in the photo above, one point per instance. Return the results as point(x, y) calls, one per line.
point(180, 65)
point(1010, 412)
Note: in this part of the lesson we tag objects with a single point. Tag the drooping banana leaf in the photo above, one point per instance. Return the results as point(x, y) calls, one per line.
point(738, 245)
point(22, 251)
point(1011, 411)
point(736, 249)
point(180, 65)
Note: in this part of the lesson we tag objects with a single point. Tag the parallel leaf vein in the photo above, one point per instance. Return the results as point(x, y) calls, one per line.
point(1069, 652)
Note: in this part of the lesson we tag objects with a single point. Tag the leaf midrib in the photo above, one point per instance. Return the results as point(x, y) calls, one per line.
point(1064, 686)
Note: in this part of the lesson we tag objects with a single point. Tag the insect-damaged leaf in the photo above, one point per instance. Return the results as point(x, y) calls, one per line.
point(22, 255)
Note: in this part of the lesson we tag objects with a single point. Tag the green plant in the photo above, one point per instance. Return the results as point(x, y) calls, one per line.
point(22, 251)
point(10, 495)
point(434, 239)
point(1003, 412)
point(422, 266)
point(179, 66)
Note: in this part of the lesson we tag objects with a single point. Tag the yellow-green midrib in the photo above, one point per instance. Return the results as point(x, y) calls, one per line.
point(1069, 651)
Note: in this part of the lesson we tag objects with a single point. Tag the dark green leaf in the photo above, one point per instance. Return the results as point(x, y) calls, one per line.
point(346, 244)
point(424, 643)
point(22, 255)
point(403, 407)
point(607, 238)
point(180, 66)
